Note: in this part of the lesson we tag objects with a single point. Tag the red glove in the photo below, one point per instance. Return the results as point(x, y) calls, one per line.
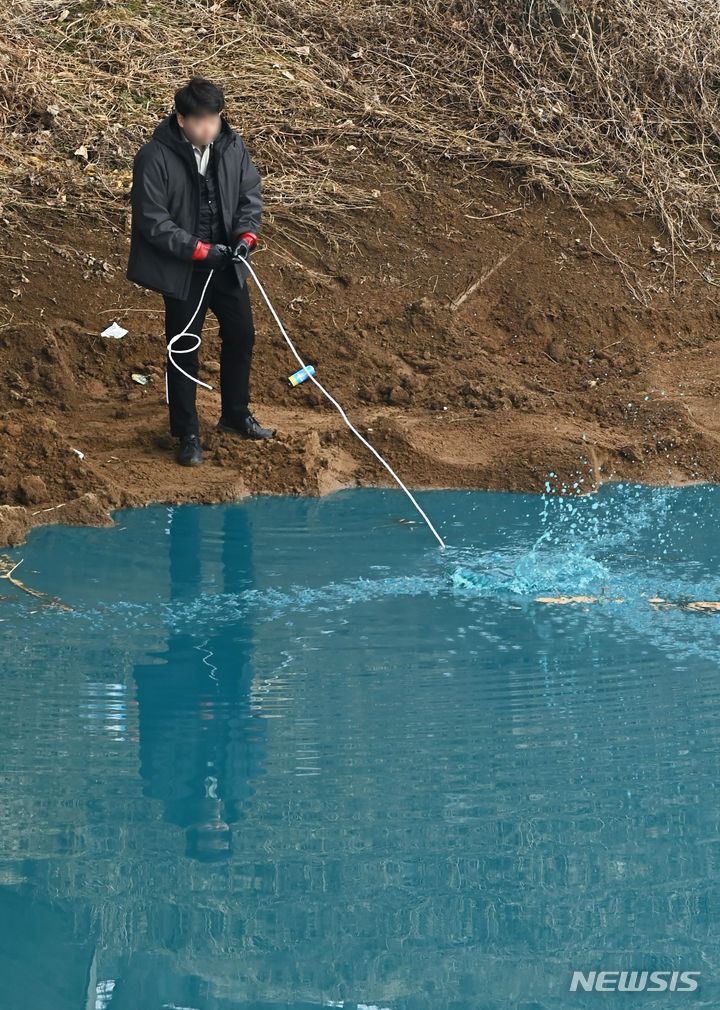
point(247, 241)
point(201, 250)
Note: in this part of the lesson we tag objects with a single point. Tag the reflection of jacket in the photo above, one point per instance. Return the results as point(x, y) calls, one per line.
point(165, 202)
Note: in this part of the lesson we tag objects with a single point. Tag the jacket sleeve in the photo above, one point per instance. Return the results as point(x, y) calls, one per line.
point(248, 206)
point(149, 203)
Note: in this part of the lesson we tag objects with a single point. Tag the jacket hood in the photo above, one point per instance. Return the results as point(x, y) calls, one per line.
point(168, 132)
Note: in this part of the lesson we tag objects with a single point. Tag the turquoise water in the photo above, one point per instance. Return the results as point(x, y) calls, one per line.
point(289, 753)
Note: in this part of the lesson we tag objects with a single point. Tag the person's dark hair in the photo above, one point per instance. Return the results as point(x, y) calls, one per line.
point(199, 96)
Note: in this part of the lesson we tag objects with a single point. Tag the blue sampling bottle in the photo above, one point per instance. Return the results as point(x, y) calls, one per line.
point(297, 377)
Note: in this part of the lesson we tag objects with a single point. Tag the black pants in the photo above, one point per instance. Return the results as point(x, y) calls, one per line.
point(230, 302)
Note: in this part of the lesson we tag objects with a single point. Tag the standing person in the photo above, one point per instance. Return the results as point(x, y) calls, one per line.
point(196, 206)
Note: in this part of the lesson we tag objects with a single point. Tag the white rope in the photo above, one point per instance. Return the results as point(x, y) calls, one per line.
point(186, 350)
point(186, 332)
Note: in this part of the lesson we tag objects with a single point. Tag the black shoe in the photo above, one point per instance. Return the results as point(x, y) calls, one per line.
point(249, 427)
point(189, 453)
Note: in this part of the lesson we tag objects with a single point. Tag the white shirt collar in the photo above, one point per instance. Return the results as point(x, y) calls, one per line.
point(201, 157)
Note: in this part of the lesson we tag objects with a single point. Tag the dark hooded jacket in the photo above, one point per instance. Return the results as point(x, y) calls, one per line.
point(165, 202)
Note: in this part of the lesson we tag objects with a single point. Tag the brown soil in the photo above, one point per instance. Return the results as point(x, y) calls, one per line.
point(550, 365)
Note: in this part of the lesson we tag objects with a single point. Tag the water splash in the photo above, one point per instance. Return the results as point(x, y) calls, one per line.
point(531, 574)
point(620, 543)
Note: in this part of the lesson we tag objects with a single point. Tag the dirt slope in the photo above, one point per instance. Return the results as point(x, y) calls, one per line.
point(550, 364)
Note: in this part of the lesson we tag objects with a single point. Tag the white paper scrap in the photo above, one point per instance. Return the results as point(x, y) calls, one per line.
point(113, 331)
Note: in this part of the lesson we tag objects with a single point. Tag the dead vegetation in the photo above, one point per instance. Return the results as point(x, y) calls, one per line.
point(613, 99)
point(7, 568)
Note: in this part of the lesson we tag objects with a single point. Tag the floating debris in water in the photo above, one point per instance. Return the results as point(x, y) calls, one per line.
point(659, 603)
point(7, 567)
point(578, 599)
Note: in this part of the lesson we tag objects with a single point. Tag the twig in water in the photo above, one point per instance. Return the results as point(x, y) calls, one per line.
point(7, 563)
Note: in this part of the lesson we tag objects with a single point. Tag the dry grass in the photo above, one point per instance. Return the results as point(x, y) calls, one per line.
point(613, 99)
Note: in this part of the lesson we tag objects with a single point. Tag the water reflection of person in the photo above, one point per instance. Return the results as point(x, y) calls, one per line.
point(201, 743)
